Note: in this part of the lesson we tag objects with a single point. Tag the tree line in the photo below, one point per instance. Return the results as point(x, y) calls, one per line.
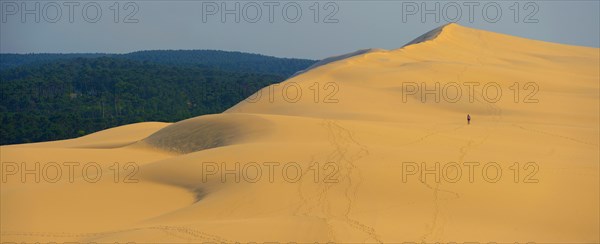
point(70, 97)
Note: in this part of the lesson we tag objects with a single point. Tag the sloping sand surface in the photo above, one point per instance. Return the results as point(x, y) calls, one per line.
point(351, 159)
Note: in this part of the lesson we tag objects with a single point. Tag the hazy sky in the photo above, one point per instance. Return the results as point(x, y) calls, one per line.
point(274, 27)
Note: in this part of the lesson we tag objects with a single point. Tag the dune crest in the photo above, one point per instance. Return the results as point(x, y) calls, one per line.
point(428, 35)
point(207, 132)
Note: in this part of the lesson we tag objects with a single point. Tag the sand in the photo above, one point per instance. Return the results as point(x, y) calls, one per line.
point(346, 164)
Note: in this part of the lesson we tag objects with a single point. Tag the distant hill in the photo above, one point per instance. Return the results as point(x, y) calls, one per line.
point(9, 60)
point(228, 61)
point(69, 97)
point(231, 61)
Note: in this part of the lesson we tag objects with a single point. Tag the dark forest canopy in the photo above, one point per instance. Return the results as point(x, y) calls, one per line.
point(225, 60)
point(46, 97)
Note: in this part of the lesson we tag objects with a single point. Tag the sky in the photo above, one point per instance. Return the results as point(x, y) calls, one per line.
point(295, 29)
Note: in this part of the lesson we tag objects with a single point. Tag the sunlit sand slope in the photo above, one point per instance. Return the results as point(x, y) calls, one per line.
point(373, 147)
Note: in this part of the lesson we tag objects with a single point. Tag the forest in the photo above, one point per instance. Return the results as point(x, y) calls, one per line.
point(224, 60)
point(52, 97)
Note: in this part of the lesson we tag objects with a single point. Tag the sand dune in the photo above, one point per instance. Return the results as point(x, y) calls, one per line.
point(207, 132)
point(337, 148)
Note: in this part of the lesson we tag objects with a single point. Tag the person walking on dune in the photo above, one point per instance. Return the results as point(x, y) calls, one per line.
point(468, 119)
